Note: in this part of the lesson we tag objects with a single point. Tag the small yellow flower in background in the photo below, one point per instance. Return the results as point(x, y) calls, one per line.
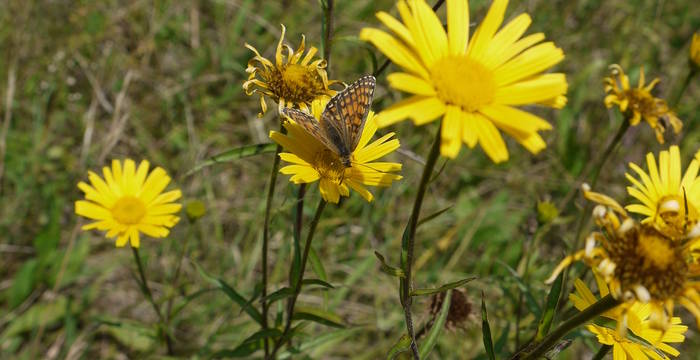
point(667, 199)
point(646, 342)
point(695, 50)
point(312, 161)
point(637, 103)
point(474, 85)
point(639, 262)
point(129, 201)
point(291, 81)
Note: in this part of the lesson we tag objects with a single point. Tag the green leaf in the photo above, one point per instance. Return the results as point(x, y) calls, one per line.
point(231, 293)
point(235, 154)
point(393, 271)
point(530, 301)
point(550, 308)
point(130, 334)
point(317, 315)
point(433, 215)
point(486, 330)
point(280, 294)
point(23, 283)
point(317, 282)
point(427, 346)
point(318, 341)
point(317, 265)
point(40, 314)
point(250, 345)
point(448, 286)
point(402, 345)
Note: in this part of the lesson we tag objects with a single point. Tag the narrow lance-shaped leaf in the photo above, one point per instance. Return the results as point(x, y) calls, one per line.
point(486, 330)
point(427, 346)
point(232, 294)
point(234, 154)
point(448, 286)
point(550, 308)
point(250, 345)
point(393, 271)
point(317, 315)
point(402, 345)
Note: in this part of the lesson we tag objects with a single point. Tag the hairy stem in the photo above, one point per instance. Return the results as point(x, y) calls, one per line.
point(266, 235)
point(297, 283)
point(408, 245)
point(143, 284)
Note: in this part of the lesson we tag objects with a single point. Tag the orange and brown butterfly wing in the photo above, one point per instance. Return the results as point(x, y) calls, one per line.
point(344, 117)
point(311, 126)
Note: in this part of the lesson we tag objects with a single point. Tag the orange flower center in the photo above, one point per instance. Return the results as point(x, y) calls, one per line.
point(329, 166)
point(296, 83)
point(461, 81)
point(128, 210)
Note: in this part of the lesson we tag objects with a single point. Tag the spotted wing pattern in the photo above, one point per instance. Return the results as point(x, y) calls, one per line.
point(344, 117)
point(310, 124)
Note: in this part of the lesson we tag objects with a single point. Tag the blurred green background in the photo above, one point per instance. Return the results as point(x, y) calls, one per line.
point(83, 82)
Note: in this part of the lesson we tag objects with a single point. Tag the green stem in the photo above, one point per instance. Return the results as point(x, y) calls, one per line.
point(176, 276)
point(297, 283)
point(327, 29)
point(149, 296)
point(684, 85)
point(409, 240)
point(606, 303)
point(604, 350)
point(266, 235)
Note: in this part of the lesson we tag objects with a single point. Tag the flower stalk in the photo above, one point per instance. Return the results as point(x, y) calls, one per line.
point(297, 283)
point(408, 244)
point(266, 235)
point(143, 284)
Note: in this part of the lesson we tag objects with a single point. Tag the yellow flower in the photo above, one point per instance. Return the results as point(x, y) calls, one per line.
point(667, 199)
point(312, 161)
point(129, 201)
point(637, 103)
point(695, 49)
point(292, 81)
point(474, 85)
point(639, 262)
point(635, 317)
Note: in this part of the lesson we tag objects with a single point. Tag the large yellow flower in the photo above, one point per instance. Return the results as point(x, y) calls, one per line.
point(640, 262)
point(291, 81)
point(129, 201)
point(637, 103)
point(635, 317)
point(667, 199)
point(474, 85)
point(312, 161)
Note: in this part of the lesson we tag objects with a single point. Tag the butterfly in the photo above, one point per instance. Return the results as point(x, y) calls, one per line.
point(343, 119)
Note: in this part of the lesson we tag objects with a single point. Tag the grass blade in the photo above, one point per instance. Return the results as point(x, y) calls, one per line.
point(393, 271)
point(427, 346)
point(234, 154)
point(443, 288)
point(550, 308)
point(231, 293)
point(486, 330)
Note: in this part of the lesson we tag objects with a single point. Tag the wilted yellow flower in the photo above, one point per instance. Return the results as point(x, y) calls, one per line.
point(129, 201)
point(474, 85)
point(291, 81)
point(667, 199)
point(639, 262)
point(645, 343)
point(695, 49)
point(637, 103)
point(312, 161)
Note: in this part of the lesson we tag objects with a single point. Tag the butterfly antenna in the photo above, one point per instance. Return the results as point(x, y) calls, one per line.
point(685, 211)
point(371, 168)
